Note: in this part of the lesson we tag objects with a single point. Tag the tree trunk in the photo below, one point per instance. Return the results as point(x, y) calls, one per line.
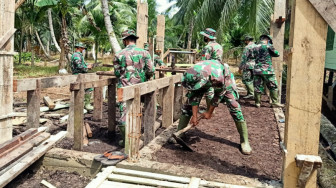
point(40, 42)
point(64, 44)
point(48, 48)
point(93, 51)
point(97, 48)
point(191, 29)
point(113, 40)
point(52, 31)
point(21, 46)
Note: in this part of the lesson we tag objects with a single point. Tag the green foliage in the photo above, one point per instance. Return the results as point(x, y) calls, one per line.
point(26, 71)
point(25, 57)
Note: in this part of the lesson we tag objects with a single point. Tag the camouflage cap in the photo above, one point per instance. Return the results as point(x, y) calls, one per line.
point(248, 38)
point(128, 33)
point(146, 46)
point(209, 32)
point(80, 45)
point(266, 36)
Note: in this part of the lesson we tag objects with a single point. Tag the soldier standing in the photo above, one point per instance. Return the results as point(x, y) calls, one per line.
point(198, 80)
point(157, 60)
point(264, 72)
point(79, 66)
point(212, 50)
point(132, 65)
point(247, 66)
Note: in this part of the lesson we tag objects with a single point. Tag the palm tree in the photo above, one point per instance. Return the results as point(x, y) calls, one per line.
point(51, 27)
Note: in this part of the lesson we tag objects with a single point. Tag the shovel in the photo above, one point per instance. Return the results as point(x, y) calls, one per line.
point(176, 136)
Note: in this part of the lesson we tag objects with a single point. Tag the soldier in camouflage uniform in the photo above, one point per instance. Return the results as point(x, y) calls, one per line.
point(157, 60)
point(264, 72)
point(132, 65)
point(247, 66)
point(200, 79)
point(212, 50)
point(79, 66)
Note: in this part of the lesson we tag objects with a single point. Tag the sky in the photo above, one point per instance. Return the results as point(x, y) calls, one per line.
point(163, 5)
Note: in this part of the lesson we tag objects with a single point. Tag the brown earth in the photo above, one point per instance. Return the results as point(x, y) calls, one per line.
point(216, 144)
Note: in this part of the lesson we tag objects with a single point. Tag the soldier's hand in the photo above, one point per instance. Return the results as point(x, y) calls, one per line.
point(89, 66)
point(194, 121)
point(206, 115)
point(240, 71)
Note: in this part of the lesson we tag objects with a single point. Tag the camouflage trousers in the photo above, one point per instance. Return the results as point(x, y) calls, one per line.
point(121, 122)
point(230, 99)
point(268, 79)
point(248, 76)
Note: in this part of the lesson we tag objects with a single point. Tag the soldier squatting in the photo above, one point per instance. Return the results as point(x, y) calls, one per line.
point(210, 78)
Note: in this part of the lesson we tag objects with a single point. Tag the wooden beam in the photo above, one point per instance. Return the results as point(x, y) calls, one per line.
point(160, 33)
point(278, 34)
point(16, 140)
point(78, 114)
point(98, 103)
point(4, 39)
point(47, 101)
point(101, 178)
point(142, 23)
point(303, 110)
point(33, 106)
point(149, 117)
point(327, 9)
point(127, 93)
point(178, 101)
point(91, 84)
point(111, 102)
point(19, 3)
point(168, 104)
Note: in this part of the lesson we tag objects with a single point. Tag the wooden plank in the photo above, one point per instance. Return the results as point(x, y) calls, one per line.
point(142, 23)
point(278, 35)
point(109, 184)
point(33, 106)
point(98, 103)
point(85, 138)
point(194, 182)
point(88, 130)
point(303, 110)
point(70, 117)
point(327, 9)
point(16, 140)
point(30, 158)
point(105, 73)
point(178, 101)
point(22, 150)
point(126, 93)
point(160, 33)
point(111, 102)
point(149, 117)
point(101, 177)
point(47, 184)
point(4, 39)
point(19, 3)
point(168, 104)
point(78, 115)
point(91, 84)
point(47, 101)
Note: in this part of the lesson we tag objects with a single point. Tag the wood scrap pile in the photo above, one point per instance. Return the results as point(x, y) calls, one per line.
point(23, 150)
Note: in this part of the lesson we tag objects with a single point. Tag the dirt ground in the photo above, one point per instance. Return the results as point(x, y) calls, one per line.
point(216, 144)
point(32, 179)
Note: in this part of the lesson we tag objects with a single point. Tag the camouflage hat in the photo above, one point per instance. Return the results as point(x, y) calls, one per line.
point(248, 38)
point(209, 32)
point(128, 33)
point(266, 36)
point(146, 46)
point(80, 45)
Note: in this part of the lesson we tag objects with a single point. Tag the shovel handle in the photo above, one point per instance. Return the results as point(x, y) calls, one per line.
point(187, 127)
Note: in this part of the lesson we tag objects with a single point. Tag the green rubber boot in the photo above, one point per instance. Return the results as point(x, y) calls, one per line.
point(184, 120)
point(244, 143)
point(274, 97)
point(122, 131)
point(250, 91)
point(208, 103)
point(87, 101)
point(257, 98)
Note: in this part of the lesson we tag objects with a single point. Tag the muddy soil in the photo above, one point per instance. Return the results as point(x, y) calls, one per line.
point(32, 179)
point(216, 144)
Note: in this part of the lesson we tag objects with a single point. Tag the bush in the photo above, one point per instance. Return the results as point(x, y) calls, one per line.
point(25, 56)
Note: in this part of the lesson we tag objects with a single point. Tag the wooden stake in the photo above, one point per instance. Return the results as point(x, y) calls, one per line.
point(88, 130)
point(160, 33)
point(85, 136)
point(111, 106)
point(98, 103)
point(142, 23)
point(33, 106)
point(178, 101)
point(47, 101)
point(149, 117)
point(168, 102)
point(78, 114)
point(304, 88)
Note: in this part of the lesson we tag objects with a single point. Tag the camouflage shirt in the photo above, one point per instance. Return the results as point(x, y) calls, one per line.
point(132, 65)
point(158, 61)
point(207, 76)
point(248, 57)
point(78, 64)
point(212, 51)
point(264, 54)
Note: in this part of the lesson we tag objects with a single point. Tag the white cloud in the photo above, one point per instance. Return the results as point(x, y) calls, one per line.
point(163, 5)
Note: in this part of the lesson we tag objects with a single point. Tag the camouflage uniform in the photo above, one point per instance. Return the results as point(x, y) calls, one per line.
point(212, 50)
point(211, 77)
point(247, 66)
point(78, 64)
point(158, 61)
point(132, 65)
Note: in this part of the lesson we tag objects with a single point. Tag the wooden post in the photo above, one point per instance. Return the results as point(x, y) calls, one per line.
point(278, 40)
point(149, 117)
point(98, 103)
point(142, 23)
point(78, 114)
point(178, 98)
point(71, 124)
point(133, 126)
point(7, 14)
point(33, 106)
point(168, 102)
point(160, 33)
point(111, 100)
point(160, 93)
point(304, 88)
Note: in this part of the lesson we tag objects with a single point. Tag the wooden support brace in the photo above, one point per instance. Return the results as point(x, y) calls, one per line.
point(6, 37)
point(98, 103)
point(33, 106)
point(111, 102)
point(178, 101)
point(78, 114)
point(168, 104)
point(91, 84)
point(149, 117)
point(307, 164)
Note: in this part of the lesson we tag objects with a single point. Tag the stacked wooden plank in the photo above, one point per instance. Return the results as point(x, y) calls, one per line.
point(23, 150)
point(118, 177)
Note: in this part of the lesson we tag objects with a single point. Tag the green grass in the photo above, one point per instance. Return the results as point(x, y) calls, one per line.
point(27, 71)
